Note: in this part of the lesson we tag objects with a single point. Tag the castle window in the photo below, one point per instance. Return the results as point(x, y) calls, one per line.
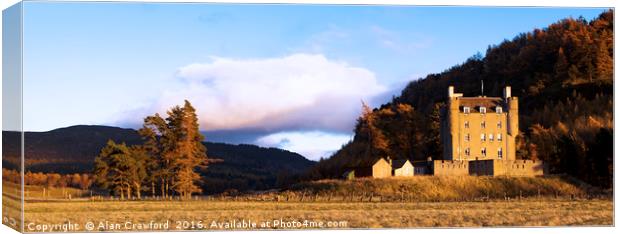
point(483, 152)
point(499, 153)
point(498, 110)
point(483, 137)
point(467, 152)
point(483, 110)
point(466, 124)
point(499, 124)
point(466, 109)
point(490, 137)
point(499, 137)
point(483, 124)
point(467, 137)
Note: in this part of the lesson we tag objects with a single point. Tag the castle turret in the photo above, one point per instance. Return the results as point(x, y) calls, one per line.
point(513, 123)
point(513, 116)
point(450, 141)
point(507, 92)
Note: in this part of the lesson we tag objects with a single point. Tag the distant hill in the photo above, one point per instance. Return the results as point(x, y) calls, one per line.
point(563, 77)
point(73, 150)
point(66, 150)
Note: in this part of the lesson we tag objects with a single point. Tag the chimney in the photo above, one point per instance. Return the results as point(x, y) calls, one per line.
point(450, 91)
point(507, 92)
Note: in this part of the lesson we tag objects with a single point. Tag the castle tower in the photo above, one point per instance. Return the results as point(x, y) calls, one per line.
point(479, 127)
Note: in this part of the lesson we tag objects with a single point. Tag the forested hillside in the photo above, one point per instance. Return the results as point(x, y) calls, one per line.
point(563, 76)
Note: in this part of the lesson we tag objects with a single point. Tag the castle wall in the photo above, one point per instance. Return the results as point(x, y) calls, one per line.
point(424, 170)
point(449, 167)
point(469, 138)
point(482, 167)
point(506, 168)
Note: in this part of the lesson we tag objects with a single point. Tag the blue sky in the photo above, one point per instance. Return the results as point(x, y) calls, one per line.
point(289, 76)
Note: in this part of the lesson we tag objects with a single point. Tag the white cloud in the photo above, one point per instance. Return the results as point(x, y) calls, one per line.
point(313, 144)
point(295, 92)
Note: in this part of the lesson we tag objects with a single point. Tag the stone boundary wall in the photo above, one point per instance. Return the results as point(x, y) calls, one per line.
point(449, 167)
point(506, 167)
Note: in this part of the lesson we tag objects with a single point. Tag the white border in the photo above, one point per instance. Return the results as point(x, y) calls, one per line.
point(525, 3)
point(554, 3)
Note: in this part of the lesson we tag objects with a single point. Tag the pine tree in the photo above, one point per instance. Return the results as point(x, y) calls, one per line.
point(137, 173)
point(155, 134)
point(604, 64)
point(573, 74)
point(377, 143)
point(433, 144)
point(189, 152)
point(561, 66)
point(172, 152)
point(121, 169)
point(111, 168)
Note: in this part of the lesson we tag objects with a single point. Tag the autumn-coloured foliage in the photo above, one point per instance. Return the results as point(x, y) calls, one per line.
point(563, 77)
point(170, 156)
point(49, 180)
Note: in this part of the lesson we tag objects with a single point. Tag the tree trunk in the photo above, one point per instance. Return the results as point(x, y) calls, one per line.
point(138, 190)
point(167, 191)
point(163, 191)
point(128, 192)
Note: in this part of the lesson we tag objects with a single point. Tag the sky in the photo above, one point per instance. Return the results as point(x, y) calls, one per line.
point(286, 76)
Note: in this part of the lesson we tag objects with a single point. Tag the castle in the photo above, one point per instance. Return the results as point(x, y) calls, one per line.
point(478, 136)
point(474, 128)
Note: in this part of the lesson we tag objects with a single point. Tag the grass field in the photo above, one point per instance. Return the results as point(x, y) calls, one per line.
point(448, 188)
point(388, 203)
point(528, 212)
